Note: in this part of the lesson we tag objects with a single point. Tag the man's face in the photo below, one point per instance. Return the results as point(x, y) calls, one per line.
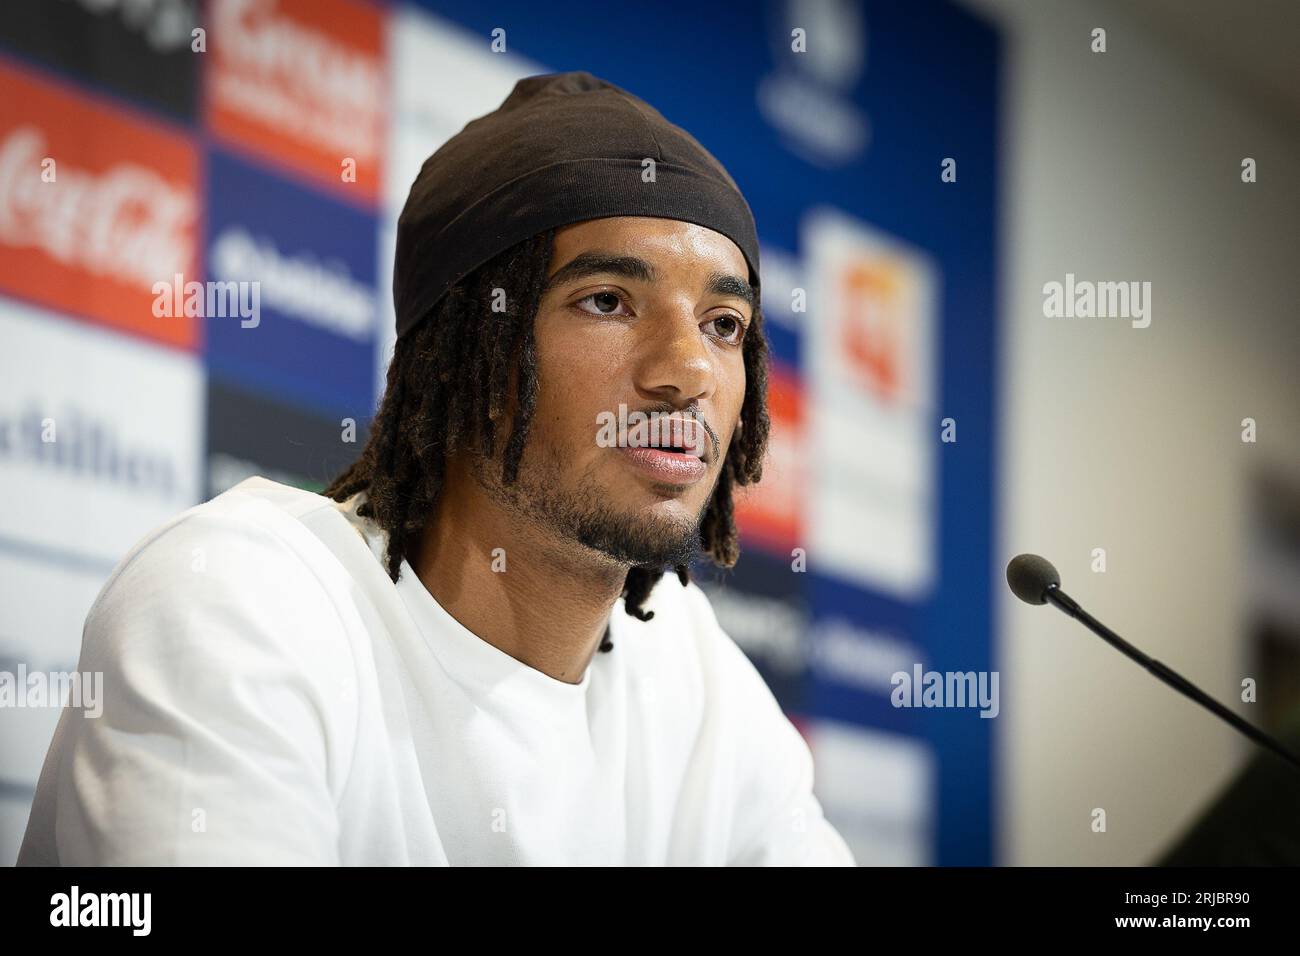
point(649, 314)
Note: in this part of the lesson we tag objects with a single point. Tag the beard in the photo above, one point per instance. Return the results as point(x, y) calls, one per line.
point(582, 514)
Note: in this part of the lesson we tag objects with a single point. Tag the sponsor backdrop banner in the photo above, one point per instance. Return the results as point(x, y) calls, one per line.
point(158, 159)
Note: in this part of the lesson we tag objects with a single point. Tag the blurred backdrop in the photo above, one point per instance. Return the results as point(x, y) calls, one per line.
point(919, 173)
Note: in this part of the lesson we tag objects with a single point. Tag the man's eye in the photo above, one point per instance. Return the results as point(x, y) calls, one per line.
point(729, 328)
point(607, 299)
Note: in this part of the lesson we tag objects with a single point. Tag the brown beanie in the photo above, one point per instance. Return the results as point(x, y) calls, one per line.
point(562, 148)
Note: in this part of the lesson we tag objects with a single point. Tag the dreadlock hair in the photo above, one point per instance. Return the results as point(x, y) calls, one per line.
point(448, 386)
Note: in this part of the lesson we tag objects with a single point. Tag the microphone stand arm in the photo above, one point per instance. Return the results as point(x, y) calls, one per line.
point(1064, 602)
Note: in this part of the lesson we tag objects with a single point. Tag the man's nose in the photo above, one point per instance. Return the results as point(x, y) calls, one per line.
point(675, 363)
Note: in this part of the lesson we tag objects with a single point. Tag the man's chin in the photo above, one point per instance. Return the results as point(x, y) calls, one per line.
point(648, 530)
point(641, 540)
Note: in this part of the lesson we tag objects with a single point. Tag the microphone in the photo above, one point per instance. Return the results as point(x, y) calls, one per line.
point(1034, 580)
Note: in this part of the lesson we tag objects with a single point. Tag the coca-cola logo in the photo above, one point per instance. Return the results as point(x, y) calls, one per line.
point(125, 222)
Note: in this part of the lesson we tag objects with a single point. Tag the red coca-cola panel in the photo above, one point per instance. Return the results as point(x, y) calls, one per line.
point(96, 207)
point(302, 83)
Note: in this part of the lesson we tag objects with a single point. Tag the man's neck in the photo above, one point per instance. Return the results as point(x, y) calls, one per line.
point(523, 594)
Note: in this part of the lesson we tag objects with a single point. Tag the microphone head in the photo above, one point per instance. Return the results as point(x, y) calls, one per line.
point(1030, 576)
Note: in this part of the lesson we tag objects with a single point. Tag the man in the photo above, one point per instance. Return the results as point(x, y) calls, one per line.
point(406, 669)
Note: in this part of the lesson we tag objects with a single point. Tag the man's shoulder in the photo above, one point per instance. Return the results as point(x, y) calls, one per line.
point(228, 587)
point(256, 509)
point(242, 536)
point(260, 499)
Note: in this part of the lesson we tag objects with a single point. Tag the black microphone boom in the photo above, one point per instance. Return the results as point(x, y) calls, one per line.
point(1035, 581)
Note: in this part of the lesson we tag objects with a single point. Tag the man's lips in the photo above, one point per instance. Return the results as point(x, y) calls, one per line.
point(671, 448)
point(669, 467)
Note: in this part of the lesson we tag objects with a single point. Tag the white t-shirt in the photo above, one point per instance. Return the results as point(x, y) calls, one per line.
point(272, 697)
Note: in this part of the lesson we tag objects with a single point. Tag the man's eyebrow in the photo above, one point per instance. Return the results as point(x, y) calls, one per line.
point(720, 283)
point(607, 263)
point(633, 267)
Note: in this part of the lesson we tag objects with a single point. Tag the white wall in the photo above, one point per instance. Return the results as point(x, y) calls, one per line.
point(1125, 166)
